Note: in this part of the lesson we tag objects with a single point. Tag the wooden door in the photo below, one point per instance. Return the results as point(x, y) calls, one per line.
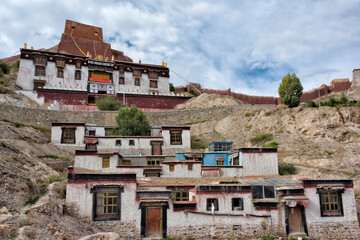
point(156, 149)
point(295, 222)
point(153, 221)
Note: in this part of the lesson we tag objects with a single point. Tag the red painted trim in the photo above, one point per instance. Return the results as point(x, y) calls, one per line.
point(315, 186)
point(87, 181)
point(96, 154)
point(165, 185)
point(179, 163)
point(175, 128)
point(184, 202)
point(99, 80)
point(144, 166)
point(257, 152)
point(265, 209)
point(133, 137)
point(205, 168)
point(183, 209)
point(220, 192)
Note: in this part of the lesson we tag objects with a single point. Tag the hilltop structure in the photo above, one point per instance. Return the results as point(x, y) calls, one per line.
point(222, 193)
point(82, 67)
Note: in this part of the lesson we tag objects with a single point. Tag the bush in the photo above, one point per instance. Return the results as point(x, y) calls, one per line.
point(272, 144)
point(343, 99)
point(261, 138)
point(131, 122)
point(311, 104)
point(4, 90)
point(4, 68)
point(290, 90)
point(24, 222)
point(34, 199)
point(171, 87)
point(108, 104)
point(286, 169)
point(54, 178)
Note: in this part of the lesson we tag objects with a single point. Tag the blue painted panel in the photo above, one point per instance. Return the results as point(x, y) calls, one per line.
point(210, 159)
point(179, 156)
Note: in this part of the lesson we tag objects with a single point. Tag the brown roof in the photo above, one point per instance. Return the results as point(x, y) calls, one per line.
point(81, 30)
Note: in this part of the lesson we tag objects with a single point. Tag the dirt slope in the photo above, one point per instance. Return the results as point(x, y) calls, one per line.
point(208, 100)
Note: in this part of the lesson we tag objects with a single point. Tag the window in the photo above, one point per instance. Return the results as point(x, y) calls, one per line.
point(126, 162)
point(131, 142)
point(331, 204)
point(118, 142)
point(121, 80)
point(40, 60)
point(78, 64)
point(60, 63)
point(153, 84)
point(77, 75)
point(154, 162)
point(39, 71)
point(137, 73)
point(180, 195)
point(105, 162)
point(137, 81)
point(220, 160)
point(236, 161)
point(175, 137)
point(68, 135)
point(210, 202)
point(263, 192)
point(171, 168)
point(121, 69)
point(190, 167)
point(153, 75)
point(60, 72)
point(237, 204)
point(107, 205)
point(90, 146)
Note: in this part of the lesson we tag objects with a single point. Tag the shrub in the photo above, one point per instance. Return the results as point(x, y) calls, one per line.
point(108, 104)
point(4, 68)
point(34, 199)
point(290, 90)
point(311, 104)
point(286, 169)
point(343, 99)
point(4, 90)
point(171, 87)
point(272, 144)
point(131, 122)
point(5, 81)
point(261, 138)
point(24, 222)
point(54, 178)
point(65, 159)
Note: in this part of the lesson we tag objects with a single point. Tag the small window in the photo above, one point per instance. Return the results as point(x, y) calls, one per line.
point(175, 137)
point(190, 167)
point(78, 64)
point(60, 72)
point(68, 135)
point(180, 195)
point(105, 162)
point(60, 63)
point(153, 75)
point(331, 203)
point(38, 60)
point(107, 205)
point(39, 71)
point(237, 204)
point(263, 192)
point(90, 146)
point(92, 132)
point(171, 168)
point(126, 162)
point(121, 80)
point(154, 162)
point(153, 84)
point(77, 75)
point(137, 81)
point(236, 161)
point(121, 69)
point(131, 142)
point(137, 73)
point(118, 142)
point(210, 202)
point(220, 160)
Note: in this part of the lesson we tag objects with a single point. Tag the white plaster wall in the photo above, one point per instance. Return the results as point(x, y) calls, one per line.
point(56, 133)
point(260, 164)
point(181, 171)
point(184, 147)
point(163, 85)
point(313, 212)
point(142, 145)
point(25, 78)
point(80, 196)
point(94, 162)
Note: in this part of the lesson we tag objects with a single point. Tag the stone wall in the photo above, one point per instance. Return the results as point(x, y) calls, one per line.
point(343, 230)
point(126, 230)
point(106, 118)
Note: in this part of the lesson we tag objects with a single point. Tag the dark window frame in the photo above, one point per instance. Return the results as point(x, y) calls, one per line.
point(60, 63)
point(261, 194)
point(174, 138)
point(334, 213)
point(77, 75)
point(106, 162)
point(137, 81)
point(60, 72)
point(40, 60)
point(153, 85)
point(37, 68)
point(171, 168)
point(209, 201)
point(117, 142)
point(97, 195)
point(241, 204)
point(122, 80)
point(131, 142)
point(78, 64)
point(66, 135)
point(180, 195)
point(190, 167)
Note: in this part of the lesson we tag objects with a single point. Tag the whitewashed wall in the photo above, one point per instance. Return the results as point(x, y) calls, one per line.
point(56, 133)
point(260, 163)
point(181, 171)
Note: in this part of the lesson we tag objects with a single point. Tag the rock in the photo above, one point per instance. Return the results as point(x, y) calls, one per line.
point(4, 210)
point(101, 236)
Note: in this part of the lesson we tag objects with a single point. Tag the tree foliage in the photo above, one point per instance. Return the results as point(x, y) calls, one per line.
point(171, 87)
point(131, 122)
point(290, 90)
point(108, 104)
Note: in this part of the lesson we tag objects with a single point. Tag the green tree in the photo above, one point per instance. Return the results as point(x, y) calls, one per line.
point(172, 88)
point(290, 90)
point(107, 103)
point(131, 122)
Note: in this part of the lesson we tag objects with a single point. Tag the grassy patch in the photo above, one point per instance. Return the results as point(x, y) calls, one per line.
point(24, 222)
point(272, 144)
point(54, 178)
point(49, 156)
point(34, 199)
point(4, 90)
point(267, 238)
point(40, 128)
point(248, 127)
point(311, 104)
point(251, 113)
point(329, 153)
point(261, 138)
point(286, 169)
point(197, 144)
point(65, 159)
point(12, 235)
point(8, 159)
point(63, 194)
point(194, 122)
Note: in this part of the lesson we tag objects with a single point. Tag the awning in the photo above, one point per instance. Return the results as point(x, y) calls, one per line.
point(335, 187)
point(192, 155)
point(292, 201)
point(219, 158)
point(91, 141)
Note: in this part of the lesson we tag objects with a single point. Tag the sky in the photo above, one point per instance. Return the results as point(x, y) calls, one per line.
point(245, 45)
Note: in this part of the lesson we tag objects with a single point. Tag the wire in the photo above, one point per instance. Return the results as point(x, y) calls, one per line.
point(186, 81)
